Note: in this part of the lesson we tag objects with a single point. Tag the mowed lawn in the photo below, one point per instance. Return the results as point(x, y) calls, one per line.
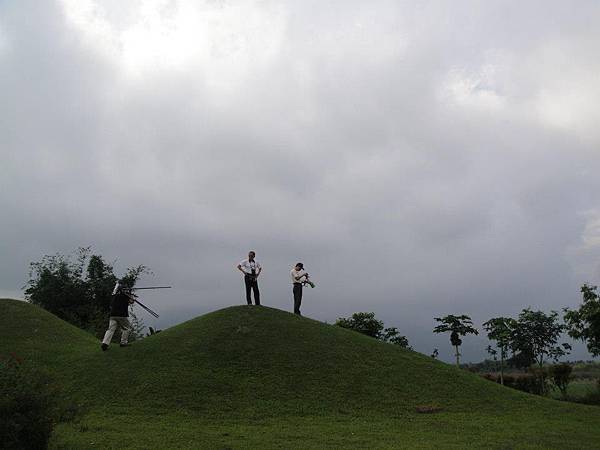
point(257, 377)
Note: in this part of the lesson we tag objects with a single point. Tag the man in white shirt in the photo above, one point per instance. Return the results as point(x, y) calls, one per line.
point(299, 277)
point(251, 270)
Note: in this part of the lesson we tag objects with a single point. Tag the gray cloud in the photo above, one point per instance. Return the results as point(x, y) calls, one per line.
point(421, 158)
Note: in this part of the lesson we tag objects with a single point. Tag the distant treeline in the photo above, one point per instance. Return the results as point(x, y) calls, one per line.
point(581, 369)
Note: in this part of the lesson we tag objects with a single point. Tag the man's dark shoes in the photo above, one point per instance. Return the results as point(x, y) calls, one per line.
point(104, 347)
point(124, 345)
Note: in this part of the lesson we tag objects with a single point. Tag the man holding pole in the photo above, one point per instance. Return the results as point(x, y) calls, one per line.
point(119, 313)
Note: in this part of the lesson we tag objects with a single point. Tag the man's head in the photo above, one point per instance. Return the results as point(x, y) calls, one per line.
point(299, 266)
point(251, 255)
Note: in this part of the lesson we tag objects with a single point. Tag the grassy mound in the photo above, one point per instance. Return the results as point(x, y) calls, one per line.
point(39, 337)
point(259, 377)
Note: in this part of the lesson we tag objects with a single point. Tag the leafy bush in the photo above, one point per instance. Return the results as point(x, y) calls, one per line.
point(364, 323)
point(367, 323)
point(560, 376)
point(526, 382)
point(29, 405)
point(80, 291)
point(584, 323)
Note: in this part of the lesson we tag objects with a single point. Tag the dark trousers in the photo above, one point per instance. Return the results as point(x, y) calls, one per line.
point(252, 284)
point(297, 297)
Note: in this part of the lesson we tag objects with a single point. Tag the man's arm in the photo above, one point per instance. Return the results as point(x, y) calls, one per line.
point(300, 277)
point(240, 269)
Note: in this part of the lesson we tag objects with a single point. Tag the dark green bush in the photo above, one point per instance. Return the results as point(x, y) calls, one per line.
point(560, 376)
point(526, 382)
point(28, 405)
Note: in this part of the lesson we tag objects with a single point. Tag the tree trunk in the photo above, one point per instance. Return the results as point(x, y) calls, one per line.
point(541, 376)
point(457, 356)
point(501, 368)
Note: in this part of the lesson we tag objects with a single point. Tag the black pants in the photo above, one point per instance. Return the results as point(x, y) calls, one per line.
point(297, 297)
point(252, 283)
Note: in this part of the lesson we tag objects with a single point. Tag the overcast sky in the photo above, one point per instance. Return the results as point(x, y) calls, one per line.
point(422, 158)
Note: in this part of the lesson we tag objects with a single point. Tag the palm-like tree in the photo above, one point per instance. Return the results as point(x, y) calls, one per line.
point(457, 326)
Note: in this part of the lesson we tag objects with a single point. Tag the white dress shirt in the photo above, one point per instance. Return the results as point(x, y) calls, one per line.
point(298, 273)
point(248, 265)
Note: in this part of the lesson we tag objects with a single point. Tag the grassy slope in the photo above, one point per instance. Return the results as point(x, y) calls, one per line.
point(258, 377)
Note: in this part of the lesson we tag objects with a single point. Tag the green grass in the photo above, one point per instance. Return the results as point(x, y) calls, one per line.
point(257, 377)
point(576, 389)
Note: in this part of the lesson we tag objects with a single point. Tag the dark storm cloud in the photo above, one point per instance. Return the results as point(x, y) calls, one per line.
point(421, 158)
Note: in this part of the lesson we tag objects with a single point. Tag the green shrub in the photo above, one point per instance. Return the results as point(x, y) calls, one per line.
point(526, 382)
point(541, 377)
point(28, 405)
point(560, 376)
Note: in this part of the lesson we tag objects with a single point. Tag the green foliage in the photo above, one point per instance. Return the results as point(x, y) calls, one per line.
point(28, 405)
point(366, 323)
point(534, 338)
point(560, 377)
point(393, 336)
point(363, 322)
point(77, 292)
point(56, 284)
point(526, 382)
point(500, 329)
point(457, 326)
point(584, 322)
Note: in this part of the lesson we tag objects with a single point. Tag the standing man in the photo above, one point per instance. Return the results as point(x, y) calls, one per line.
point(119, 313)
point(251, 270)
point(299, 278)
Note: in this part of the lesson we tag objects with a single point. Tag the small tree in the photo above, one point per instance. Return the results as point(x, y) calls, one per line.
point(76, 292)
point(457, 326)
point(363, 322)
point(536, 334)
point(367, 323)
point(500, 330)
point(494, 354)
point(560, 374)
point(584, 322)
point(393, 336)
point(535, 337)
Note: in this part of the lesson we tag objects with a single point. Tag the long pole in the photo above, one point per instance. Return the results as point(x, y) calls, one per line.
point(150, 287)
point(140, 303)
point(146, 308)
